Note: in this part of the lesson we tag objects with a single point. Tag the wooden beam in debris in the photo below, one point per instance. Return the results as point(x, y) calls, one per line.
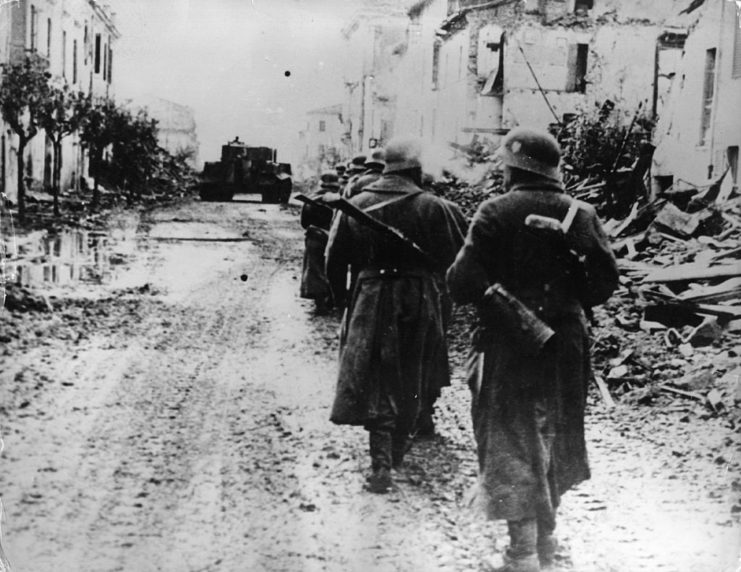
point(727, 290)
point(692, 271)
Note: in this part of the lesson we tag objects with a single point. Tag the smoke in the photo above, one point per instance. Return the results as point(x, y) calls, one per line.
point(440, 162)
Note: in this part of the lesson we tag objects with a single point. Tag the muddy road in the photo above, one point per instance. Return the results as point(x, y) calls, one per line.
point(170, 413)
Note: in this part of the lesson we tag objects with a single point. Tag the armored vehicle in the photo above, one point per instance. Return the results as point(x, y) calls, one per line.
point(244, 169)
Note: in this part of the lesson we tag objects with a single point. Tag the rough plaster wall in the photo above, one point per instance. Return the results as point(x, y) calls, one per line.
point(620, 67)
point(454, 98)
point(416, 102)
point(412, 83)
point(679, 152)
point(636, 10)
point(728, 107)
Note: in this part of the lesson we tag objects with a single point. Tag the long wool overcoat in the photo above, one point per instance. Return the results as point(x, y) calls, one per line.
point(354, 186)
point(392, 345)
point(528, 411)
point(316, 220)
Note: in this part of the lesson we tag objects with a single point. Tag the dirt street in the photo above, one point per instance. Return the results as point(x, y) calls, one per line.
point(172, 415)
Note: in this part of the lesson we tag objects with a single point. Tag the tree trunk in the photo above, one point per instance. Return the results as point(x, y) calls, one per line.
point(95, 168)
point(21, 183)
point(55, 174)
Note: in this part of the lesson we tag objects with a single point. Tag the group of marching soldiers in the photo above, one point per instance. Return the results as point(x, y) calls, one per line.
point(532, 261)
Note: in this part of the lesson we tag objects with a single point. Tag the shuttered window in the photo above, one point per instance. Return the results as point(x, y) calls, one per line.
point(737, 47)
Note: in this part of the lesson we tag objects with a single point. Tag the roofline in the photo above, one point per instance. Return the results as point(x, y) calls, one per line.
point(329, 110)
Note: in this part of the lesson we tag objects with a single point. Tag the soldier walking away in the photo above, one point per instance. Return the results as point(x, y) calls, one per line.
point(355, 168)
point(392, 345)
point(316, 219)
point(373, 169)
point(528, 400)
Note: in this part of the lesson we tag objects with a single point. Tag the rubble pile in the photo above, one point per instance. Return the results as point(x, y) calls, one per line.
point(679, 304)
point(467, 197)
point(671, 329)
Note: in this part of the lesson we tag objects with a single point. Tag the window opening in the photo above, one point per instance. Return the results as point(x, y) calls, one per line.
point(64, 54)
point(74, 61)
point(708, 94)
point(583, 6)
point(737, 47)
point(577, 68)
point(34, 27)
point(436, 65)
point(97, 53)
point(732, 154)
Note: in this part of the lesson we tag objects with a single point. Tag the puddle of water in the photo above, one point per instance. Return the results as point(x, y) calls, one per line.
point(44, 261)
point(172, 256)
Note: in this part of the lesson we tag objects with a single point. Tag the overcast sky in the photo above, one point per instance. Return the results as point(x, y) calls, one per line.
point(227, 59)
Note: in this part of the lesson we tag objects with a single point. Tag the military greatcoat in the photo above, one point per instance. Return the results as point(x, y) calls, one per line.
point(392, 347)
point(316, 220)
point(528, 411)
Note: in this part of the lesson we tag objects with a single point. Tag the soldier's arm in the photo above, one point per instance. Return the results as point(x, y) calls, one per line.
point(599, 262)
point(448, 234)
point(305, 216)
point(467, 278)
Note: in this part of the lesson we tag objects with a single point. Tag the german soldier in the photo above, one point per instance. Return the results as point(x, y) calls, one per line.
point(393, 351)
point(373, 169)
point(316, 219)
point(528, 404)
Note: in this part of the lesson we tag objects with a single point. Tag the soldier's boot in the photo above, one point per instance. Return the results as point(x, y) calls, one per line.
point(399, 447)
point(506, 563)
point(379, 480)
point(547, 543)
point(521, 556)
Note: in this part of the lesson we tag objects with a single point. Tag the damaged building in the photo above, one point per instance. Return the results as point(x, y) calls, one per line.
point(376, 45)
point(486, 67)
point(176, 126)
point(77, 38)
point(322, 142)
point(699, 133)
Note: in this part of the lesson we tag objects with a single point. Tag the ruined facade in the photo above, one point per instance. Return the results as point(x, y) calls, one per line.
point(322, 141)
point(77, 37)
point(176, 126)
point(376, 44)
point(490, 66)
point(699, 135)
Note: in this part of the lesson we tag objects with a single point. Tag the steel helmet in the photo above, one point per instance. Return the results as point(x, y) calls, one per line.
point(531, 150)
point(329, 180)
point(377, 159)
point(403, 153)
point(357, 164)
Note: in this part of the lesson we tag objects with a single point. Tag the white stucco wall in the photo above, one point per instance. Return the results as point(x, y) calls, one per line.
point(620, 67)
point(680, 152)
point(68, 21)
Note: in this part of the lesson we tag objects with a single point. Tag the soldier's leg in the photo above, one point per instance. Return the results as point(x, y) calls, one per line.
point(380, 431)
